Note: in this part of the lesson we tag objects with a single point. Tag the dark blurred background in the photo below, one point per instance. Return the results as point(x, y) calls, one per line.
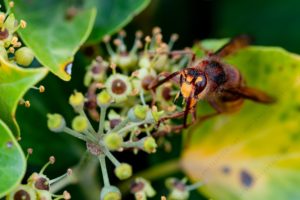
point(270, 22)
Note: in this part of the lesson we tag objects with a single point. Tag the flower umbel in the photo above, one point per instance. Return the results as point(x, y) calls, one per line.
point(128, 112)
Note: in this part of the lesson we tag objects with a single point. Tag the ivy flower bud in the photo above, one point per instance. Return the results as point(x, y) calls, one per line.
point(144, 62)
point(123, 171)
point(154, 115)
point(56, 122)
point(80, 123)
point(141, 188)
point(177, 188)
point(24, 56)
point(119, 87)
point(103, 98)
point(140, 111)
point(137, 113)
point(22, 192)
point(39, 181)
point(149, 145)
point(113, 141)
point(127, 61)
point(110, 193)
point(76, 100)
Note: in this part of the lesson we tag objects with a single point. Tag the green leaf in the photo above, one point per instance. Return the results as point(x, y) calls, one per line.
point(12, 161)
point(254, 153)
point(14, 82)
point(113, 15)
point(54, 38)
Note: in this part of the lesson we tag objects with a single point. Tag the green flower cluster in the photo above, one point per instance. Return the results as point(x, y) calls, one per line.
point(119, 98)
point(10, 47)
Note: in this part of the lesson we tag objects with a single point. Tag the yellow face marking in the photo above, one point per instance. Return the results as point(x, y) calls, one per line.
point(189, 78)
point(199, 79)
point(186, 90)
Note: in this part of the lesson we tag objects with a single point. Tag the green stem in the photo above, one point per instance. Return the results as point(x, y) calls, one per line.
point(142, 97)
point(110, 156)
point(83, 174)
point(153, 173)
point(74, 134)
point(194, 186)
point(58, 178)
point(90, 136)
point(102, 120)
point(129, 127)
point(131, 144)
point(44, 167)
point(104, 170)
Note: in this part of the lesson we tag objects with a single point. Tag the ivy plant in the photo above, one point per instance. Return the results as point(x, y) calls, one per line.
point(116, 115)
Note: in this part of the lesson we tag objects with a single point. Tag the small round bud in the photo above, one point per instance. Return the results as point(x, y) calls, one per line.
point(66, 195)
point(147, 39)
point(117, 42)
point(56, 122)
point(139, 34)
point(76, 100)
point(11, 4)
point(174, 37)
point(29, 151)
point(14, 40)
point(51, 160)
point(41, 89)
point(27, 104)
point(123, 171)
point(80, 123)
point(23, 23)
point(69, 172)
point(113, 141)
point(140, 111)
point(163, 198)
point(149, 145)
point(110, 193)
point(11, 50)
point(22, 192)
point(144, 62)
point(2, 17)
point(103, 98)
point(137, 113)
point(24, 56)
point(122, 33)
point(156, 30)
point(106, 38)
